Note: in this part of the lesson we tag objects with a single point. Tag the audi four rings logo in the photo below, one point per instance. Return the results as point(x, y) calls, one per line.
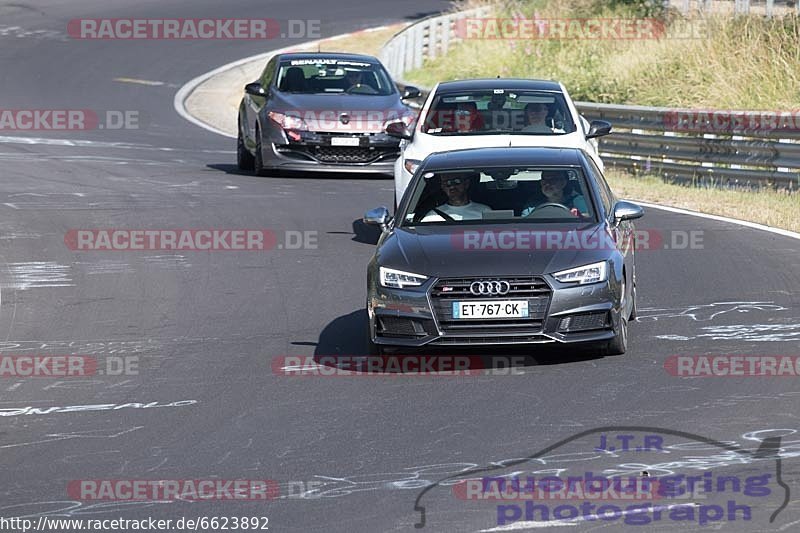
point(489, 288)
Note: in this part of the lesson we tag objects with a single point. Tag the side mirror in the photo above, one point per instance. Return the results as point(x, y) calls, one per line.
point(398, 130)
point(598, 128)
point(378, 217)
point(410, 92)
point(627, 211)
point(255, 89)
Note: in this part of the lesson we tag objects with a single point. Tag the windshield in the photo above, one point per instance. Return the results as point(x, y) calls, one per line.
point(500, 195)
point(499, 111)
point(336, 76)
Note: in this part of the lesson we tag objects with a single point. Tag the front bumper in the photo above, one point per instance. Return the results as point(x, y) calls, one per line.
point(558, 313)
point(314, 151)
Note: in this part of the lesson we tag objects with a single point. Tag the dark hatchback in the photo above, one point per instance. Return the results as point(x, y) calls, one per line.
point(500, 246)
point(323, 113)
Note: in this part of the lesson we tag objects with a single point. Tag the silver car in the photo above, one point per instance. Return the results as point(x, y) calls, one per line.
point(499, 246)
point(323, 113)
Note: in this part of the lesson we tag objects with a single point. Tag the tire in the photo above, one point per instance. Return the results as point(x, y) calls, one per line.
point(258, 159)
point(244, 159)
point(619, 344)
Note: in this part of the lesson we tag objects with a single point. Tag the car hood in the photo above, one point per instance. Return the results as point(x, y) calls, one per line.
point(322, 112)
point(443, 252)
point(439, 143)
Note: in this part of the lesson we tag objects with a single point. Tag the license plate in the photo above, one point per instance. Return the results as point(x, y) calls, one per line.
point(345, 141)
point(491, 309)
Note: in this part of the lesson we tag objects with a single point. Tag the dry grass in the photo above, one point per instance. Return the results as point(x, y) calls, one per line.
point(779, 210)
point(746, 62)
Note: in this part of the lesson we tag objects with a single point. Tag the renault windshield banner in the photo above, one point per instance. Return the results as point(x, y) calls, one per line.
point(631, 475)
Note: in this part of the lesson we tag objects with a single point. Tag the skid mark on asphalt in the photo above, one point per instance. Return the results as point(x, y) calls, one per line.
point(168, 262)
point(706, 312)
point(106, 266)
point(89, 434)
point(18, 32)
point(67, 201)
point(745, 332)
point(35, 275)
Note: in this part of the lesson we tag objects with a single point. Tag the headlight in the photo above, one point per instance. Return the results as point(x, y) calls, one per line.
point(287, 122)
point(412, 165)
point(397, 279)
point(594, 273)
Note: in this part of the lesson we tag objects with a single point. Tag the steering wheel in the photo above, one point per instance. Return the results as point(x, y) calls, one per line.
point(362, 88)
point(545, 207)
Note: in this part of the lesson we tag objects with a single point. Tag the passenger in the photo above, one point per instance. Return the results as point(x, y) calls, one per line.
point(467, 117)
point(554, 183)
point(536, 115)
point(458, 206)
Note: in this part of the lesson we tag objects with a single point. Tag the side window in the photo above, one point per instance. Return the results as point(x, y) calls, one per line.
point(269, 72)
point(602, 187)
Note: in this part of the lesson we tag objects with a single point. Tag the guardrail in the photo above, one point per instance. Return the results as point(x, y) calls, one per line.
point(643, 139)
point(425, 39)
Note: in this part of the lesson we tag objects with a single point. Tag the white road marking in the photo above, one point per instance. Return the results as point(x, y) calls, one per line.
point(149, 83)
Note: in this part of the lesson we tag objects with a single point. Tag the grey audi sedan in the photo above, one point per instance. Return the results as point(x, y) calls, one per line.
point(322, 112)
point(502, 246)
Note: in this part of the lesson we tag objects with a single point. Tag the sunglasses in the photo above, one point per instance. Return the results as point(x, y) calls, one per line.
point(453, 181)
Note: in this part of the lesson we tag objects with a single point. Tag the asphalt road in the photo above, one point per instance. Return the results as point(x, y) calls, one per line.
point(205, 327)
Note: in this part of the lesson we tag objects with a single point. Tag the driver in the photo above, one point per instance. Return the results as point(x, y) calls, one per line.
point(459, 206)
point(353, 79)
point(554, 183)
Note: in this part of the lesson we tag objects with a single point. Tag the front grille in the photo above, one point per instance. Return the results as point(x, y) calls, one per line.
point(345, 154)
point(533, 289)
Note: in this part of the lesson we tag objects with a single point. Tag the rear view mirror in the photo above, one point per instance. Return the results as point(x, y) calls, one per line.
point(378, 217)
point(255, 89)
point(399, 130)
point(411, 92)
point(627, 211)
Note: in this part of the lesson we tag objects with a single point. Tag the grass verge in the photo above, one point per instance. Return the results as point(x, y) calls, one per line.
point(775, 209)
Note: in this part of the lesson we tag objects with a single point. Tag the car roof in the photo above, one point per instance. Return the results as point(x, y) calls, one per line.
point(516, 84)
point(504, 156)
point(332, 55)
